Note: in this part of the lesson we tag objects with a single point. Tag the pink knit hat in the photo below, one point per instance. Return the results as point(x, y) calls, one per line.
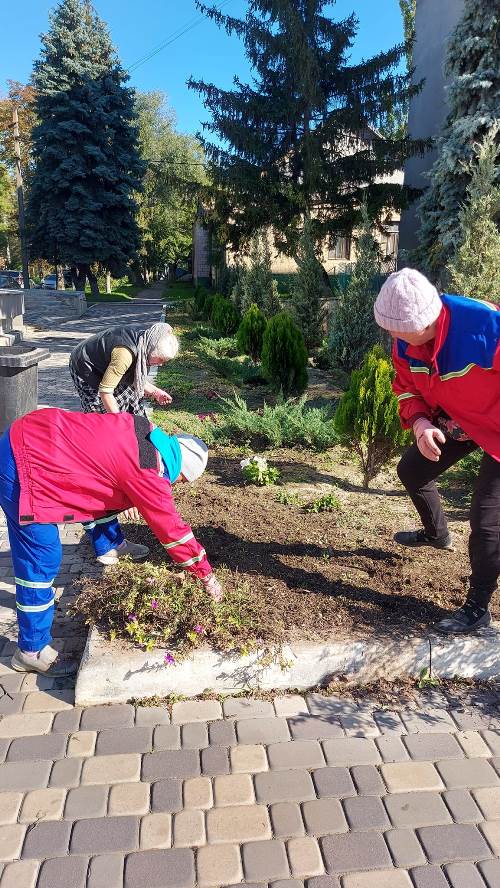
point(407, 302)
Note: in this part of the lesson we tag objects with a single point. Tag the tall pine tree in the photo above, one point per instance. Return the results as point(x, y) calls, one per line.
point(299, 140)
point(473, 67)
point(86, 161)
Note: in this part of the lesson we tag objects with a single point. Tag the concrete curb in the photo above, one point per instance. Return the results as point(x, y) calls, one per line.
point(114, 673)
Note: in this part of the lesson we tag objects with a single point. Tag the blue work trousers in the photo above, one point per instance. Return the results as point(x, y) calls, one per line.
point(36, 556)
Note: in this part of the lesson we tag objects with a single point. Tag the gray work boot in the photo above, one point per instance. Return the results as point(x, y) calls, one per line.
point(46, 663)
point(467, 618)
point(415, 538)
point(134, 550)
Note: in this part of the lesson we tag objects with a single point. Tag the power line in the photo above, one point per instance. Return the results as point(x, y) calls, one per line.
point(188, 26)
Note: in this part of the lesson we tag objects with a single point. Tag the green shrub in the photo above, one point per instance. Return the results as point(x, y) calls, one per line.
point(308, 291)
point(286, 498)
point(256, 471)
point(251, 331)
point(288, 424)
point(224, 347)
point(224, 316)
point(208, 302)
point(367, 417)
point(284, 355)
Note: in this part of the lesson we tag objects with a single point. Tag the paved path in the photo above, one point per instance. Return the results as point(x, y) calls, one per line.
point(319, 791)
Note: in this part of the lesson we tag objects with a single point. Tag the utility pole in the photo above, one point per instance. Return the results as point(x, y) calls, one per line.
point(20, 200)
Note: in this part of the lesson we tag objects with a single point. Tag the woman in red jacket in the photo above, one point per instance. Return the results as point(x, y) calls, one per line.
point(447, 359)
point(57, 466)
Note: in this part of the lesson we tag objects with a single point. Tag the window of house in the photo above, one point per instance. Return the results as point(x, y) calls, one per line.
point(339, 246)
point(389, 244)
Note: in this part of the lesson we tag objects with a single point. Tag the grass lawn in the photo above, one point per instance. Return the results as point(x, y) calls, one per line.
point(122, 293)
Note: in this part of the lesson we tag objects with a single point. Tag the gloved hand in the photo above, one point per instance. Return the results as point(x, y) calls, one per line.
point(213, 588)
point(426, 435)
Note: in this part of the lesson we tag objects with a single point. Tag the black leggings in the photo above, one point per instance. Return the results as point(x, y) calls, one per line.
point(418, 475)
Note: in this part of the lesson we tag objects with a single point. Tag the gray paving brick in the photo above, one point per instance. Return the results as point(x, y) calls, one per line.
point(328, 706)
point(67, 721)
point(215, 761)
point(11, 682)
point(262, 730)
point(286, 820)
point(388, 722)
point(287, 883)
point(367, 780)
point(391, 748)
point(170, 763)
point(351, 751)
point(283, 786)
point(447, 844)
point(462, 806)
point(63, 872)
point(463, 875)
point(47, 839)
point(467, 773)
point(470, 720)
point(334, 782)
point(167, 796)
point(222, 733)
point(245, 707)
point(86, 801)
point(194, 735)
point(299, 754)
point(359, 724)
point(429, 877)
point(323, 817)
point(4, 745)
point(432, 747)
point(102, 834)
point(354, 852)
point(366, 812)
point(185, 711)
point(150, 716)
point(490, 871)
point(106, 871)
point(436, 721)
point(265, 860)
point(315, 727)
point(167, 737)
point(101, 718)
point(411, 809)
point(124, 740)
point(405, 848)
point(23, 776)
point(160, 869)
point(323, 882)
point(10, 704)
point(66, 772)
point(47, 747)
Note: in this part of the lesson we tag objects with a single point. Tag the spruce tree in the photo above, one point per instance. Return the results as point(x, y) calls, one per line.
point(257, 283)
point(353, 328)
point(473, 68)
point(298, 141)
point(87, 166)
point(308, 289)
point(475, 269)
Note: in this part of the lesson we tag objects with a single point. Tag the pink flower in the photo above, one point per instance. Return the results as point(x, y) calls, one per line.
point(154, 604)
point(169, 659)
point(202, 416)
point(199, 629)
point(132, 618)
point(150, 581)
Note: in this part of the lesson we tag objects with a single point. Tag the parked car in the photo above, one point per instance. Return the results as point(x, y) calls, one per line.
point(14, 279)
point(49, 282)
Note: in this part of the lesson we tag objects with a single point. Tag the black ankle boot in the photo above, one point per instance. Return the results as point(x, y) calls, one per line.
point(415, 538)
point(467, 618)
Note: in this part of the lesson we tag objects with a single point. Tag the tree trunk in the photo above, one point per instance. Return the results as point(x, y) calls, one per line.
point(94, 286)
point(81, 276)
point(60, 284)
point(108, 282)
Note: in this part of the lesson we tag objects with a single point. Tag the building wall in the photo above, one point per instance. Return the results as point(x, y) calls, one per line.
point(435, 21)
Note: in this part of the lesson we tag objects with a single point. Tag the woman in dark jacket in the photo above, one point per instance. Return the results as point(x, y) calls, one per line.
point(110, 369)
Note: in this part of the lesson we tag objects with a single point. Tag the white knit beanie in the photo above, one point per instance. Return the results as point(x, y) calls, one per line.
point(194, 456)
point(407, 302)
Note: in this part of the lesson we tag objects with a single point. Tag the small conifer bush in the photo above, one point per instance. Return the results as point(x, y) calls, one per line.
point(251, 331)
point(367, 417)
point(224, 316)
point(284, 355)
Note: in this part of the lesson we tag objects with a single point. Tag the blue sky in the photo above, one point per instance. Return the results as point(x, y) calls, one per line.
point(139, 26)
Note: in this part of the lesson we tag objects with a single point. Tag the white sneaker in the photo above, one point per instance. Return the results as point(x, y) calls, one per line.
point(46, 663)
point(135, 550)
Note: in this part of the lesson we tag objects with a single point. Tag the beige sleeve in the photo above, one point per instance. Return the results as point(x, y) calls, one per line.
point(121, 360)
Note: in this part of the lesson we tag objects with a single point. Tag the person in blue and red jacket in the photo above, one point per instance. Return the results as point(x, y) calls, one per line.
point(57, 467)
point(446, 354)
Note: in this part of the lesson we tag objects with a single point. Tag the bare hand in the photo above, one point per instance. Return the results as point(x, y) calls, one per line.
point(131, 514)
point(162, 397)
point(213, 588)
point(427, 435)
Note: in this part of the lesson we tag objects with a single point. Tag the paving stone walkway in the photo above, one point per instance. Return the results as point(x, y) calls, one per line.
point(311, 791)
